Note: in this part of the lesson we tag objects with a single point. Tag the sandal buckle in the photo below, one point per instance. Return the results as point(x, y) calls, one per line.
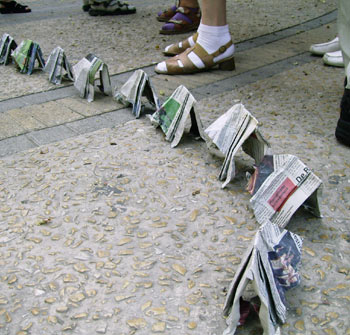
point(222, 49)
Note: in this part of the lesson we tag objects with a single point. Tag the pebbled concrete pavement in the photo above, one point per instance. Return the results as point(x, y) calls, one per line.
point(107, 230)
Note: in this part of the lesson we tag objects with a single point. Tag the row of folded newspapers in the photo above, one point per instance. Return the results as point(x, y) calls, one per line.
point(280, 183)
point(89, 73)
point(279, 186)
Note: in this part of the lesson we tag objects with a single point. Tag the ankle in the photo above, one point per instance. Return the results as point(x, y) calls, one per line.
point(189, 4)
point(211, 38)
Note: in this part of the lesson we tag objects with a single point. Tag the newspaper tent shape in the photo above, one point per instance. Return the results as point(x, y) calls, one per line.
point(269, 269)
point(7, 45)
point(25, 56)
point(85, 76)
point(280, 185)
point(56, 64)
point(177, 116)
point(137, 86)
point(234, 129)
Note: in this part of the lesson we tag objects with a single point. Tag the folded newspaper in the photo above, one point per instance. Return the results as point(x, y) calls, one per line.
point(25, 56)
point(269, 269)
point(280, 185)
point(177, 116)
point(7, 45)
point(85, 73)
point(56, 65)
point(234, 129)
point(138, 86)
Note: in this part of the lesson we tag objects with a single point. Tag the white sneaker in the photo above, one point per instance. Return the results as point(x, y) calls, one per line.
point(322, 48)
point(334, 58)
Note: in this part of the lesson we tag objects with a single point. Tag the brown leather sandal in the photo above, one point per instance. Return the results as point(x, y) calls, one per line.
point(176, 49)
point(185, 19)
point(167, 14)
point(173, 66)
point(12, 7)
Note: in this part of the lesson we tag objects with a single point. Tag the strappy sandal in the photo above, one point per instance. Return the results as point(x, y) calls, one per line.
point(186, 19)
point(173, 66)
point(176, 49)
point(86, 5)
point(13, 7)
point(166, 15)
point(115, 7)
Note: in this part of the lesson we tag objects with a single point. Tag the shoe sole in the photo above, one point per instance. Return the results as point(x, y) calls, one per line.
point(93, 12)
point(330, 63)
point(224, 65)
point(171, 54)
point(162, 19)
point(342, 132)
point(178, 32)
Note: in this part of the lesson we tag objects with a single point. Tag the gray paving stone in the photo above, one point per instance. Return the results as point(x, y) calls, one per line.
point(52, 113)
point(37, 98)
point(15, 144)
point(9, 127)
point(61, 92)
point(24, 117)
point(50, 135)
point(89, 124)
point(80, 106)
point(118, 117)
point(12, 104)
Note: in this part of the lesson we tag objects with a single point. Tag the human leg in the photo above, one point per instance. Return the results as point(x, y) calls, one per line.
point(342, 131)
point(213, 46)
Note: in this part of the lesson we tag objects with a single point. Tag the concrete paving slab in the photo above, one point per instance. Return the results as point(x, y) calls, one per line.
point(89, 124)
point(79, 106)
point(25, 117)
point(118, 117)
point(51, 113)
point(12, 104)
point(11, 145)
point(9, 127)
point(50, 135)
point(103, 103)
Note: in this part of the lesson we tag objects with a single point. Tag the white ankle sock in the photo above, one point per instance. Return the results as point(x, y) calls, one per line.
point(211, 38)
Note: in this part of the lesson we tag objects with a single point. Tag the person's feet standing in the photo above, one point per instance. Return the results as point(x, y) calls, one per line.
point(212, 47)
point(107, 7)
point(13, 7)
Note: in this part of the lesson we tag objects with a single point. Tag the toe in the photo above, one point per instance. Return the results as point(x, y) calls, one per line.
point(161, 67)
